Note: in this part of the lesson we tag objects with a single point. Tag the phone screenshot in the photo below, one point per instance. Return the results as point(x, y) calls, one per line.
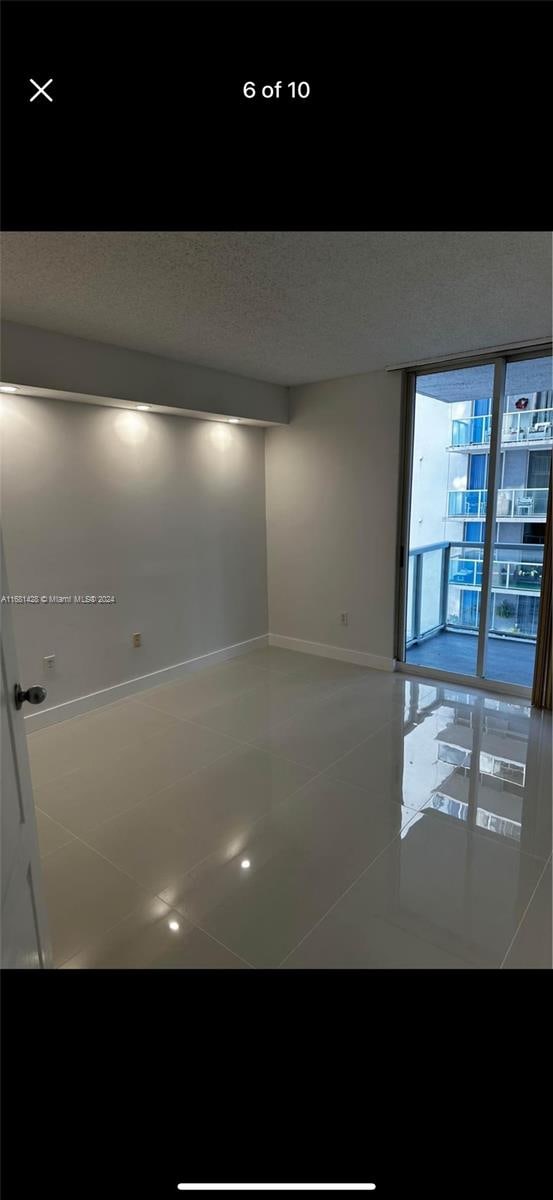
point(276, 421)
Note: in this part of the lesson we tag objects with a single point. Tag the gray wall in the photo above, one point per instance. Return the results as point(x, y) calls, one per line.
point(332, 492)
point(38, 358)
point(166, 512)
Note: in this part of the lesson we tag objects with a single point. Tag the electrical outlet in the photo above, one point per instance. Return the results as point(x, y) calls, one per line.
point(49, 661)
point(137, 639)
point(344, 618)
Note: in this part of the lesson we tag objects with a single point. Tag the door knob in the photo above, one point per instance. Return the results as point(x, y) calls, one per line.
point(34, 695)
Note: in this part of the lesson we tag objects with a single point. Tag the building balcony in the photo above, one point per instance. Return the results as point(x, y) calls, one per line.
point(529, 428)
point(508, 574)
point(443, 608)
point(470, 433)
point(513, 504)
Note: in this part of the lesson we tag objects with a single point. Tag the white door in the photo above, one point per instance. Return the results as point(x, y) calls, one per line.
point(25, 941)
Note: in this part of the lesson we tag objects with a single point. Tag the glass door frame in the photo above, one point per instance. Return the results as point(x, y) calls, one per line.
point(499, 363)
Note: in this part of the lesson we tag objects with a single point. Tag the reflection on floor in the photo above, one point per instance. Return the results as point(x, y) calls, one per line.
point(508, 661)
point(287, 810)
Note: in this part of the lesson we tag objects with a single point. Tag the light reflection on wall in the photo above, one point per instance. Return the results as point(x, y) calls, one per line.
point(131, 429)
point(220, 435)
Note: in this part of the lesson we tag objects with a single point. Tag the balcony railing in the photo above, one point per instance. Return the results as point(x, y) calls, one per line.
point(528, 427)
point(470, 431)
point(513, 504)
point(519, 428)
point(507, 574)
point(439, 574)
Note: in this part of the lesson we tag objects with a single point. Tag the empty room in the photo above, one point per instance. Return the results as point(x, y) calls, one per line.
point(276, 600)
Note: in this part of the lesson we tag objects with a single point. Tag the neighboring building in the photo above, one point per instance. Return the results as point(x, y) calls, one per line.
point(448, 507)
point(525, 463)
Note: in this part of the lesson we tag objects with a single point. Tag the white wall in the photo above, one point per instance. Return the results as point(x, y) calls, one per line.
point(166, 512)
point(332, 494)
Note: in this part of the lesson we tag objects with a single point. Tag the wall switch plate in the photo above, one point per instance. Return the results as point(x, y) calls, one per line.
point(49, 661)
point(344, 618)
point(137, 639)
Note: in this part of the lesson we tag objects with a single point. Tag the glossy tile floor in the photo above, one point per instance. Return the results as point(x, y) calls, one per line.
point(283, 810)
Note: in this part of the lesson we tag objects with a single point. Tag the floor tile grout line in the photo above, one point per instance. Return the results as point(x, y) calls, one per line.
point(103, 708)
point(153, 894)
point(333, 688)
point(81, 836)
point(177, 829)
point(310, 780)
point(241, 744)
point(223, 945)
point(172, 718)
point(146, 799)
point(266, 674)
point(232, 738)
point(523, 917)
point(268, 671)
point(72, 836)
point(286, 799)
point(416, 813)
point(304, 705)
point(368, 867)
point(110, 862)
point(107, 931)
point(150, 895)
point(300, 762)
point(157, 894)
point(224, 754)
point(121, 746)
point(121, 921)
point(181, 721)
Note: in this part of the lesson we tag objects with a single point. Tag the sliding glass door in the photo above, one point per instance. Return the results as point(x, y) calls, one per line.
point(479, 466)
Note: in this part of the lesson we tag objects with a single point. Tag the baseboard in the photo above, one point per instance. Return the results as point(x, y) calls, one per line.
point(359, 657)
point(83, 704)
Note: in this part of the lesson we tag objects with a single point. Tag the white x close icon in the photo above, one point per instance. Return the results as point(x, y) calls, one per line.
point(41, 91)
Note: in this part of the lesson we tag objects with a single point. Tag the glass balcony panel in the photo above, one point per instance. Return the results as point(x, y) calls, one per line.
point(470, 431)
point(533, 425)
point(517, 576)
point(516, 589)
point(519, 428)
point(410, 617)
point(467, 504)
point(465, 567)
point(431, 590)
point(521, 503)
point(460, 433)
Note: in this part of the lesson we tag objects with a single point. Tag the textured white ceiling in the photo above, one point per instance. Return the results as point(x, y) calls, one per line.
point(284, 307)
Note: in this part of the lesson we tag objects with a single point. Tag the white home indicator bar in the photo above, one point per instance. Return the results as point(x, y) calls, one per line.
point(276, 1187)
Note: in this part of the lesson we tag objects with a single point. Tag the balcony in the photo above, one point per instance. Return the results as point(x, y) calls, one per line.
point(513, 504)
point(470, 433)
point(442, 627)
point(530, 428)
point(508, 575)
